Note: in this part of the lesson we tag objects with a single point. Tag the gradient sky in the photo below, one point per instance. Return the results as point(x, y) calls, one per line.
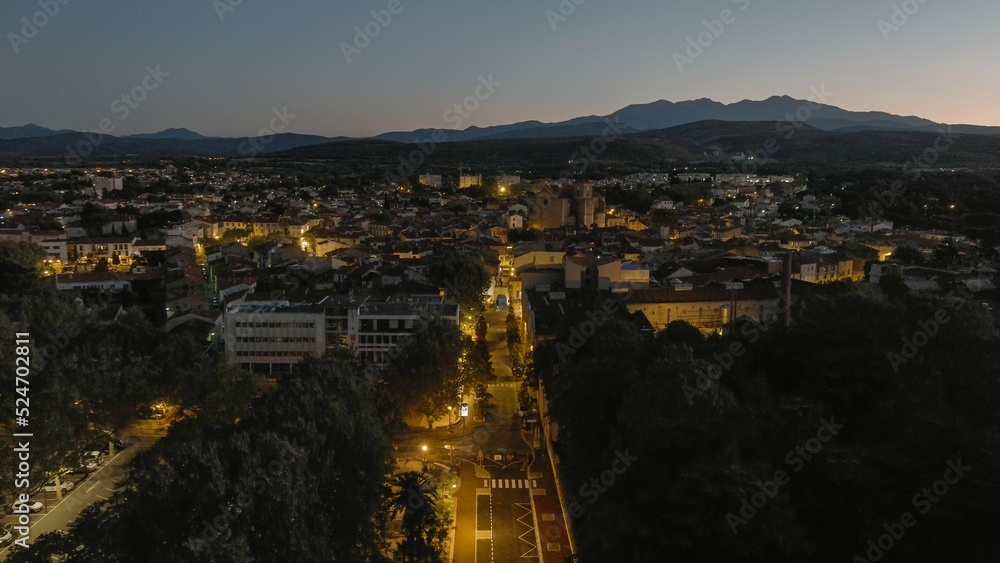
point(227, 76)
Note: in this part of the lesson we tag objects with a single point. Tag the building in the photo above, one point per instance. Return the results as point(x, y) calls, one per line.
point(279, 334)
point(376, 329)
point(710, 308)
point(103, 185)
point(273, 333)
point(431, 180)
point(603, 274)
point(94, 249)
point(466, 181)
point(573, 206)
point(110, 282)
point(506, 182)
point(694, 177)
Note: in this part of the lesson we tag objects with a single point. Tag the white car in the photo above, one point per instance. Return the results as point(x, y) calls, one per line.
point(6, 535)
point(66, 486)
point(33, 506)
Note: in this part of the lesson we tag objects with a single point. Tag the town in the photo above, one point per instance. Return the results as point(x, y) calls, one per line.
point(491, 281)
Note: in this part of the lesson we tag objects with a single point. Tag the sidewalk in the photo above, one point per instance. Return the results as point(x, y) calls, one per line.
point(552, 533)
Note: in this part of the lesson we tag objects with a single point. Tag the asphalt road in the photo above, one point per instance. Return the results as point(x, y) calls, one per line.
point(88, 489)
point(504, 523)
point(512, 531)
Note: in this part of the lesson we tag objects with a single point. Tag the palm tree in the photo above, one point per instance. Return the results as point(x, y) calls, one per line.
point(414, 497)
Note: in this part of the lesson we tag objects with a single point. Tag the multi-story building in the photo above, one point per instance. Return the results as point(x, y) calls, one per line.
point(431, 180)
point(506, 181)
point(273, 333)
point(93, 249)
point(467, 181)
point(103, 185)
point(378, 328)
point(279, 334)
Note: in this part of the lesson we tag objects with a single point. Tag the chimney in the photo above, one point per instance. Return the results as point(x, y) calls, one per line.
point(788, 289)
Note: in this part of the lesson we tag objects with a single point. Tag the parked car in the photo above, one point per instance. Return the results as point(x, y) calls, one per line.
point(85, 466)
point(66, 486)
point(89, 461)
point(33, 506)
point(6, 535)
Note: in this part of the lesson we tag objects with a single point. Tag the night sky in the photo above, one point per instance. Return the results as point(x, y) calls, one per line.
point(230, 66)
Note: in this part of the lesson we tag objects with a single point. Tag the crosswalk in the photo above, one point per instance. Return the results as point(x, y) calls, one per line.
point(512, 484)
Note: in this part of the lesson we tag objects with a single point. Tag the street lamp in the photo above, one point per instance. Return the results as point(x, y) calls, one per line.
point(424, 448)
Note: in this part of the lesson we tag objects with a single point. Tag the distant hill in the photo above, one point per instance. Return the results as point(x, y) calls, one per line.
point(664, 115)
point(182, 134)
point(61, 145)
point(693, 142)
point(663, 119)
point(27, 131)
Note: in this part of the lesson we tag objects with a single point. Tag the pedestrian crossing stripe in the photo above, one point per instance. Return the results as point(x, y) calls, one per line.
point(511, 484)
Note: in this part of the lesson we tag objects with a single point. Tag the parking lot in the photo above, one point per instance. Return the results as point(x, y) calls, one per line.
point(87, 489)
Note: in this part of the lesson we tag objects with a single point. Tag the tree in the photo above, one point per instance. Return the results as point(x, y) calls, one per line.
point(696, 430)
point(27, 255)
point(463, 278)
point(531, 234)
point(909, 255)
point(234, 235)
point(482, 328)
point(301, 477)
point(424, 531)
point(423, 374)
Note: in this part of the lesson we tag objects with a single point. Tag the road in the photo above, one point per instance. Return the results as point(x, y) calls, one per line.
point(495, 522)
point(88, 489)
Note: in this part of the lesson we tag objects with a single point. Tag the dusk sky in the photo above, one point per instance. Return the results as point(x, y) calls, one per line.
point(226, 77)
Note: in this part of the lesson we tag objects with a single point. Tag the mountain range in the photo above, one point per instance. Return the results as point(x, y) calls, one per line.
point(35, 141)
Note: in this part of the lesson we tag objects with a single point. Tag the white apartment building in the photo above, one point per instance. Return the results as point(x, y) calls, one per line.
point(377, 329)
point(277, 334)
point(273, 333)
point(431, 180)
